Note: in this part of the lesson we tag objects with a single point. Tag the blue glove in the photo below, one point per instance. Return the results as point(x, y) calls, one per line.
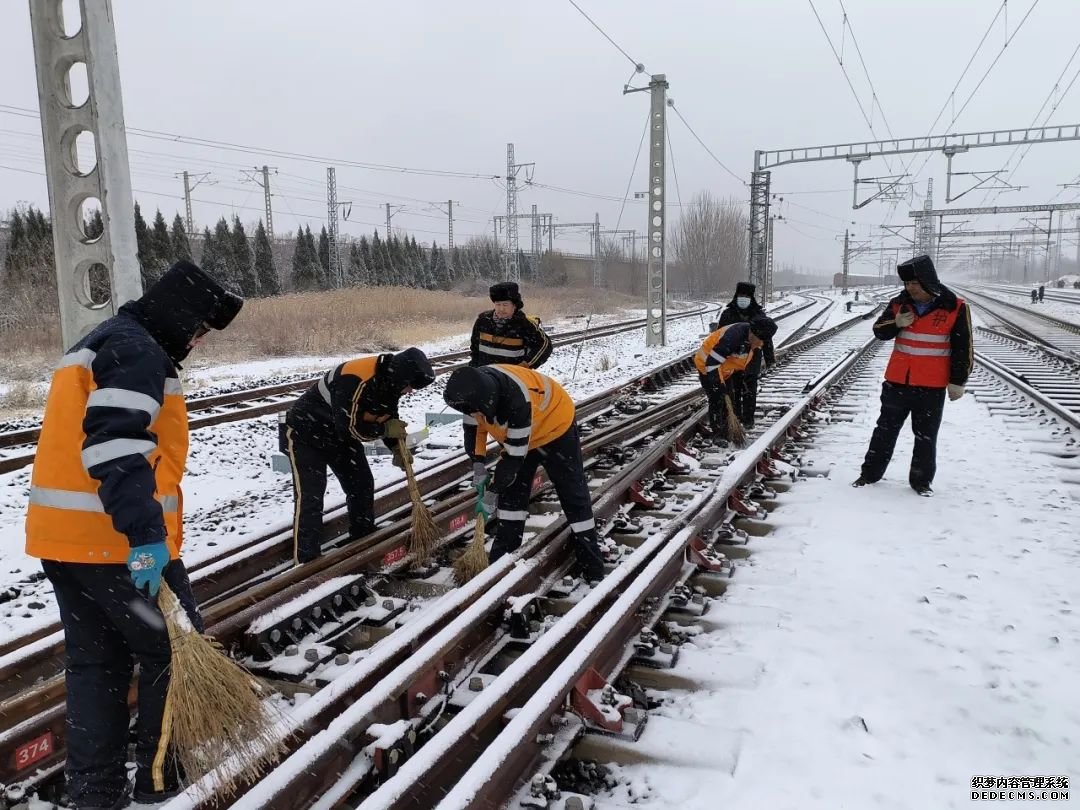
point(486, 501)
point(146, 563)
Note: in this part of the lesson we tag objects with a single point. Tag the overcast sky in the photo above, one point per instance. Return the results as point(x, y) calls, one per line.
point(439, 85)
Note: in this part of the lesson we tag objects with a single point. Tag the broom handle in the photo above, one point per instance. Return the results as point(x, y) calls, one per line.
point(406, 458)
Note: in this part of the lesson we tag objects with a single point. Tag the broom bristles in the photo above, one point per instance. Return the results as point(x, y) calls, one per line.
point(475, 558)
point(425, 533)
point(736, 431)
point(217, 712)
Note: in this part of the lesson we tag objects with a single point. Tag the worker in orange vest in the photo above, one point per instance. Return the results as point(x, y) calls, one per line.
point(105, 520)
point(932, 355)
point(532, 417)
point(728, 351)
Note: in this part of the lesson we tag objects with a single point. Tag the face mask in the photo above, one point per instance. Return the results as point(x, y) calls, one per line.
point(742, 302)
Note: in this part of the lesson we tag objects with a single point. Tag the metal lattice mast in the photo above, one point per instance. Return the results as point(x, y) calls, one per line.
point(598, 268)
point(512, 269)
point(759, 224)
point(766, 292)
point(332, 225)
point(113, 255)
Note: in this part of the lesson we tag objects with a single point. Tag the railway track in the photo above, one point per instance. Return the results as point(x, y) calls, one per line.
point(234, 589)
point(16, 446)
point(475, 679)
point(1054, 333)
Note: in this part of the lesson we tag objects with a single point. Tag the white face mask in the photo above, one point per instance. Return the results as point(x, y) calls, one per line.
point(742, 302)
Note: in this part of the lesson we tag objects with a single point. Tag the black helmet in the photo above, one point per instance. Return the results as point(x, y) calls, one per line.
point(180, 302)
point(411, 368)
point(470, 390)
point(763, 327)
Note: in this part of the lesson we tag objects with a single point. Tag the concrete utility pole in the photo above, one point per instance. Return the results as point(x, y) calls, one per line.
point(189, 222)
point(266, 200)
point(656, 271)
point(846, 247)
point(598, 267)
point(388, 222)
point(71, 184)
point(450, 229)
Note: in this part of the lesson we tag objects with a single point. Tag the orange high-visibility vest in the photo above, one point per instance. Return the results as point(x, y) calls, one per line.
point(552, 409)
point(731, 364)
point(921, 354)
point(66, 520)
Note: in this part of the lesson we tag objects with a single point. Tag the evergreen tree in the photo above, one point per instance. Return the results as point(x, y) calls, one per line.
point(242, 260)
point(213, 258)
point(178, 241)
point(224, 245)
point(15, 247)
point(305, 266)
point(324, 253)
point(144, 250)
point(95, 226)
point(365, 261)
point(438, 272)
point(265, 271)
point(357, 271)
point(377, 265)
point(312, 254)
point(160, 244)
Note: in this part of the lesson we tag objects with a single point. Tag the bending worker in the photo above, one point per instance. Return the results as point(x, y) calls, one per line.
point(505, 334)
point(932, 354)
point(327, 426)
point(743, 385)
point(728, 350)
point(105, 491)
point(532, 417)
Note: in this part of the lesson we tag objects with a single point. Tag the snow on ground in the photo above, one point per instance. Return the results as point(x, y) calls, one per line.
point(230, 492)
point(1063, 310)
point(878, 649)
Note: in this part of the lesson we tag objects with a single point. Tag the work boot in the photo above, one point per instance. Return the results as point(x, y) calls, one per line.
point(860, 482)
point(922, 489)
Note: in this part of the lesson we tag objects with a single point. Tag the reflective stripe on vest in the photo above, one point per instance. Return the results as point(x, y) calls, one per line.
point(922, 352)
point(85, 501)
point(552, 413)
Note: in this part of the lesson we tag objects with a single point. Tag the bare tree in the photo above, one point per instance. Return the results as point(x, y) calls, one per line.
point(710, 241)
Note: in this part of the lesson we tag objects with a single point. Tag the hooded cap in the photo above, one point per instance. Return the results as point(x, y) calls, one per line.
point(763, 327)
point(745, 288)
point(411, 368)
point(922, 269)
point(469, 390)
point(506, 291)
point(175, 308)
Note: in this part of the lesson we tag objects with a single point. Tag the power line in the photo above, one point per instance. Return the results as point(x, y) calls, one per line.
point(866, 72)
point(638, 66)
point(674, 173)
point(686, 123)
point(633, 171)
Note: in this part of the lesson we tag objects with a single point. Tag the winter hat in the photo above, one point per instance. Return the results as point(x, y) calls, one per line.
point(763, 327)
point(472, 389)
point(411, 368)
point(506, 291)
point(745, 288)
point(920, 268)
point(175, 308)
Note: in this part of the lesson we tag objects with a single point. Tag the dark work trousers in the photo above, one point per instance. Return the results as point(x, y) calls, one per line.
point(561, 460)
point(925, 405)
point(108, 626)
point(743, 388)
point(309, 460)
point(714, 393)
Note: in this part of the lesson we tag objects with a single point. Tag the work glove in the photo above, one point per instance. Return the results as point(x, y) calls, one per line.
point(395, 429)
point(398, 459)
point(146, 564)
point(486, 502)
point(955, 391)
point(905, 318)
point(479, 474)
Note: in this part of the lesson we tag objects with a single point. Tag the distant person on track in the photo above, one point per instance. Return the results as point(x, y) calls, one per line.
point(1042, 292)
point(932, 355)
point(723, 354)
point(1034, 296)
point(327, 426)
point(532, 417)
point(743, 385)
point(505, 334)
point(105, 520)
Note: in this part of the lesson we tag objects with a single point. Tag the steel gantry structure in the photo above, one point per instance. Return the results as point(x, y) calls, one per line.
point(856, 152)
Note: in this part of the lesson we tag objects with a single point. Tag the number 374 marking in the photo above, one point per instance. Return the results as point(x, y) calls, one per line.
point(29, 753)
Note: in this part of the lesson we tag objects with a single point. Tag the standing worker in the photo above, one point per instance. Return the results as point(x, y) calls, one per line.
point(743, 385)
point(532, 417)
point(327, 426)
point(932, 354)
point(1042, 292)
point(505, 334)
point(723, 354)
point(1034, 296)
point(105, 491)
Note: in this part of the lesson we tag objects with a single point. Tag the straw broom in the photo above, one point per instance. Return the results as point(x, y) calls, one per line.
point(217, 710)
point(475, 558)
point(424, 533)
point(735, 429)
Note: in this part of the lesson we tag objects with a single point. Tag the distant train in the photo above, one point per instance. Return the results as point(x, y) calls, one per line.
point(856, 281)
